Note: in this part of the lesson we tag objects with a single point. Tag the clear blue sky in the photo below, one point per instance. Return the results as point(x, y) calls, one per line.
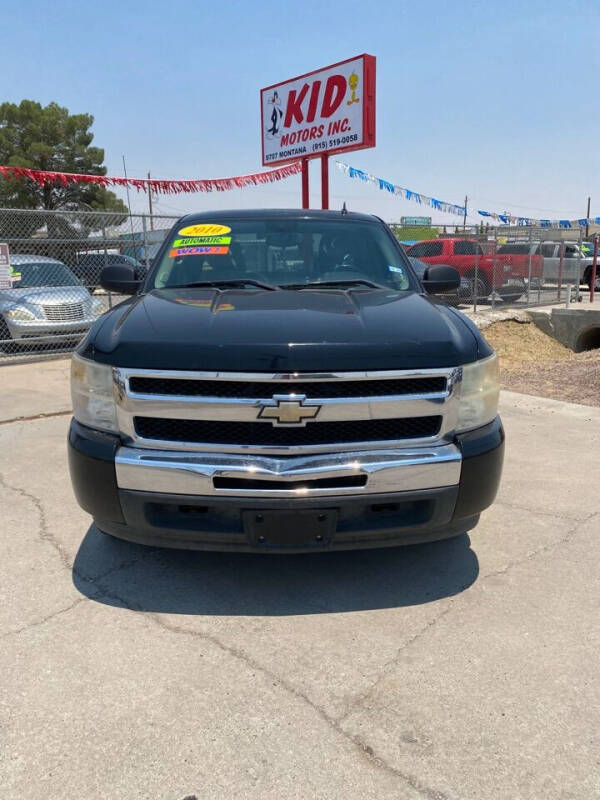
point(490, 99)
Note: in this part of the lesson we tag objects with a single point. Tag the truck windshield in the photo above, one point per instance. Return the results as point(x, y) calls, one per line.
point(283, 252)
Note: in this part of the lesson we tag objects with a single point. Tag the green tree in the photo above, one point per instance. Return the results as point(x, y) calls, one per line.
point(49, 138)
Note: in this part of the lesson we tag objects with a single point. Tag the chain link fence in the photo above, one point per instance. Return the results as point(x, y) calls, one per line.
point(510, 266)
point(52, 294)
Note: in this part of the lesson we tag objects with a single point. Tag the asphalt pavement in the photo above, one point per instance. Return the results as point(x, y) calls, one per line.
point(461, 669)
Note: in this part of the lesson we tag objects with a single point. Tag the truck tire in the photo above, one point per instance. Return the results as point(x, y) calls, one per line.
point(588, 279)
point(510, 294)
point(483, 286)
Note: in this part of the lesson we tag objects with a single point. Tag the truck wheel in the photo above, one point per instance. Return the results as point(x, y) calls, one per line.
point(482, 289)
point(510, 294)
point(588, 280)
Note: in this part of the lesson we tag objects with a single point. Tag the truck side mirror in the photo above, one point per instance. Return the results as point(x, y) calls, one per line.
point(441, 278)
point(119, 279)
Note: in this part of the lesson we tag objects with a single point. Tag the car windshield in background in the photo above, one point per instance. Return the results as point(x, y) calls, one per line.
point(283, 252)
point(27, 276)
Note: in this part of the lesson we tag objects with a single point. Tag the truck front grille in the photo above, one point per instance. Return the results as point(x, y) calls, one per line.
point(262, 389)
point(236, 412)
point(263, 434)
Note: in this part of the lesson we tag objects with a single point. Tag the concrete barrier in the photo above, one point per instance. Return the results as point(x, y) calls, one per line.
point(576, 328)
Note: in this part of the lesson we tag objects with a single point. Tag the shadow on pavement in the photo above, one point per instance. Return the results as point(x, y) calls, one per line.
point(126, 575)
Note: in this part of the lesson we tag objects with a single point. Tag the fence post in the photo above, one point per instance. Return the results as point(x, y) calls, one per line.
point(529, 268)
point(146, 259)
point(105, 262)
point(594, 270)
point(476, 282)
point(494, 269)
point(560, 267)
point(578, 274)
point(540, 265)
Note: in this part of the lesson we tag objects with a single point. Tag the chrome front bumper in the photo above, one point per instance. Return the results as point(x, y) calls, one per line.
point(374, 471)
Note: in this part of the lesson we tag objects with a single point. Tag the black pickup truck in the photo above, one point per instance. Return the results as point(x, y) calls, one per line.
point(282, 381)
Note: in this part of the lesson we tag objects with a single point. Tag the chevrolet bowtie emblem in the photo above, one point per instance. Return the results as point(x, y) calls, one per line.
point(283, 411)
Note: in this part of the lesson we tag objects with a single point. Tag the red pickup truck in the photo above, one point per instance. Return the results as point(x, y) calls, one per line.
point(468, 256)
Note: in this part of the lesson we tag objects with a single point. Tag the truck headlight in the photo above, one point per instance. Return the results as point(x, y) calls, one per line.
point(479, 393)
point(92, 394)
point(20, 314)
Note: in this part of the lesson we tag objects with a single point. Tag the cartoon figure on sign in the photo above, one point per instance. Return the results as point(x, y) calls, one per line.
point(276, 114)
point(353, 83)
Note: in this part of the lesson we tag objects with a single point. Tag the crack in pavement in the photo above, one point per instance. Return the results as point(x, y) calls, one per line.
point(43, 530)
point(235, 652)
point(335, 723)
point(45, 534)
point(359, 700)
point(33, 417)
point(547, 548)
point(45, 619)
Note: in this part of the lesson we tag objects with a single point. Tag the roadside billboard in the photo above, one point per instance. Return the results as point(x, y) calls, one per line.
point(330, 110)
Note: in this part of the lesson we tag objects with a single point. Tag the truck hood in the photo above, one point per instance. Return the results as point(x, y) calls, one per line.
point(283, 331)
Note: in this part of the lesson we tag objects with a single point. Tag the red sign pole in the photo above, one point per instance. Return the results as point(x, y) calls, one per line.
point(594, 270)
point(324, 181)
point(305, 200)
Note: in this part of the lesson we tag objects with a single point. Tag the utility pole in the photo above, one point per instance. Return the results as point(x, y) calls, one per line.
point(150, 204)
point(465, 216)
point(587, 216)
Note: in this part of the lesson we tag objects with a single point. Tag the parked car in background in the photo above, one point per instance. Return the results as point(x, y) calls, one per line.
point(508, 278)
point(454, 298)
point(46, 304)
point(90, 265)
point(577, 259)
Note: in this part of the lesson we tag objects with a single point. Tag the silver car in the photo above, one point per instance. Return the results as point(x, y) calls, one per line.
point(46, 303)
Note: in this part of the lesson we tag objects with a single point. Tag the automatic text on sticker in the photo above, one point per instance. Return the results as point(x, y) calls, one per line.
point(194, 241)
point(178, 252)
point(205, 229)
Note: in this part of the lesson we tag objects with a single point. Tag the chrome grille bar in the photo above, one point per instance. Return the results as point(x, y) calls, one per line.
point(131, 405)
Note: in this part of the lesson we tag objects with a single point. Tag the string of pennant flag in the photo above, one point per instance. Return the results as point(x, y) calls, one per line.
point(406, 194)
point(454, 208)
point(43, 177)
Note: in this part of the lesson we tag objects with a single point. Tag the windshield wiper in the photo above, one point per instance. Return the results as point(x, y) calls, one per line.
point(333, 284)
point(225, 284)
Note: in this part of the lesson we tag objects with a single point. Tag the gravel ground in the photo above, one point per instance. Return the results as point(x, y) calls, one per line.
point(533, 363)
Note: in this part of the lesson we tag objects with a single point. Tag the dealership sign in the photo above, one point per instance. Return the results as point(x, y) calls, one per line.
point(327, 111)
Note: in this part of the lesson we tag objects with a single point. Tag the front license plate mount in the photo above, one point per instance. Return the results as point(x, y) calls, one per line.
point(305, 529)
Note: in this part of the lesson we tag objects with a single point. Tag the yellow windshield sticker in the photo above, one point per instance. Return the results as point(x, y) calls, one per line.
point(179, 252)
point(206, 229)
point(201, 240)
